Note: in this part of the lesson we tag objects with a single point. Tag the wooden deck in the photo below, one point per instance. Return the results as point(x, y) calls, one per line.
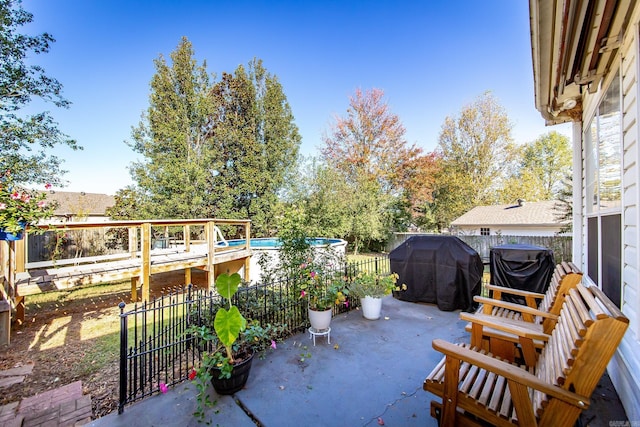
point(46, 279)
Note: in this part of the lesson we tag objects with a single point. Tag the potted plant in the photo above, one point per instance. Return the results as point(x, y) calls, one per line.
point(323, 291)
point(370, 288)
point(232, 342)
point(20, 208)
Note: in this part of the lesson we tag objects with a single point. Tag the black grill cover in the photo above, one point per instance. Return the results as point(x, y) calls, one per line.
point(438, 269)
point(523, 267)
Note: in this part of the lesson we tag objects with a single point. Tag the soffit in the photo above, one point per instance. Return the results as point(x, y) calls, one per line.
point(574, 44)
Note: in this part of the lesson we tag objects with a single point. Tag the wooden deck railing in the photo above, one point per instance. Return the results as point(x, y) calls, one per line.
point(141, 259)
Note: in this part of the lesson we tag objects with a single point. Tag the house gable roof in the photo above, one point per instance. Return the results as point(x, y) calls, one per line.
point(543, 213)
point(76, 204)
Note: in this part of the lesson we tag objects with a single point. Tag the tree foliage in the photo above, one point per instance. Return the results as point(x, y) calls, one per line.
point(368, 149)
point(542, 165)
point(219, 149)
point(256, 144)
point(476, 152)
point(26, 139)
point(173, 176)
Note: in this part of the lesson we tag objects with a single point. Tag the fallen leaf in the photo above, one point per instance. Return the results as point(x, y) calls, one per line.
point(335, 347)
point(380, 421)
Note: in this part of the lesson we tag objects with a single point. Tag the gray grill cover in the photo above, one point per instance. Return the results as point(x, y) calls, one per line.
point(441, 270)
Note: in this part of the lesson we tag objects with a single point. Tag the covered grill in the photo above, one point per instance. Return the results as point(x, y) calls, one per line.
point(524, 267)
point(442, 270)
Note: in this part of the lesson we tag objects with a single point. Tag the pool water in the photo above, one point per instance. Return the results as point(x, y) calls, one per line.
point(274, 242)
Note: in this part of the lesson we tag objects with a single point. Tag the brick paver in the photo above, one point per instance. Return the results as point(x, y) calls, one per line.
point(65, 406)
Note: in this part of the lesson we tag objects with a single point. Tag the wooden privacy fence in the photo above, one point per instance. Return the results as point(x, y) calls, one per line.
point(560, 245)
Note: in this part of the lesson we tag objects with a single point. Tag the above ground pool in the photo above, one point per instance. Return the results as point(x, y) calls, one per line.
point(274, 242)
point(270, 246)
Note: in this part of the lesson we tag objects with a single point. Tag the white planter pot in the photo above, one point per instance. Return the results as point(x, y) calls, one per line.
point(371, 307)
point(320, 319)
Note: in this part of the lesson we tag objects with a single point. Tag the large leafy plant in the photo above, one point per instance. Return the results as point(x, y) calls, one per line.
point(234, 339)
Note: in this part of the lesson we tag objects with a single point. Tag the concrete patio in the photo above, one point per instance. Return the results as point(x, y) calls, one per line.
point(370, 374)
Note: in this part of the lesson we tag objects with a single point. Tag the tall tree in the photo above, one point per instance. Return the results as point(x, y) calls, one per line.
point(550, 158)
point(367, 146)
point(174, 176)
point(476, 151)
point(256, 143)
point(213, 150)
point(542, 165)
point(25, 140)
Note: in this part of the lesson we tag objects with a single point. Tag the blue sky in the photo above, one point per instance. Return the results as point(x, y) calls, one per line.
point(430, 58)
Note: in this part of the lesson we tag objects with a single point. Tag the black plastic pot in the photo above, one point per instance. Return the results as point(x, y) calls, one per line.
point(239, 377)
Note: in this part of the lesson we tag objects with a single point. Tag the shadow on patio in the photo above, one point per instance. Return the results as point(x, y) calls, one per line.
point(372, 372)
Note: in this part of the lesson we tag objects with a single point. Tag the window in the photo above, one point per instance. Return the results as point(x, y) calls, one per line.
point(485, 231)
point(603, 178)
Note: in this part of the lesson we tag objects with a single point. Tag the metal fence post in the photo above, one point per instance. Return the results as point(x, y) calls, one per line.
point(123, 358)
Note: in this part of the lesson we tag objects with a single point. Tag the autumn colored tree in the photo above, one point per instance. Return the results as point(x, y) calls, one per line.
point(476, 152)
point(368, 148)
point(419, 179)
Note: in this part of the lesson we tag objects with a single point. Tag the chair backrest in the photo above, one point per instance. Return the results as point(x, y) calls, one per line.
point(589, 329)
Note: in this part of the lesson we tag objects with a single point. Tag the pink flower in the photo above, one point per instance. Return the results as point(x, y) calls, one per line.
point(273, 344)
point(302, 294)
point(42, 203)
point(312, 274)
point(15, 195)
point(47, 186)
point(346, 304)
point(25, 197)
point(163, 388)
point(192, 374)
point(3, 206)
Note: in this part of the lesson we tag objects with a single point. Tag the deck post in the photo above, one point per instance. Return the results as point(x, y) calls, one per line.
point(186, 231)
point(146, 260)
point(247, 260)
point(211, 250)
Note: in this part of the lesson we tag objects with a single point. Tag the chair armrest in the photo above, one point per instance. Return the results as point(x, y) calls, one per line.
point(512, 291)
point(514, 307)
point(519, 328)
point(508, 371)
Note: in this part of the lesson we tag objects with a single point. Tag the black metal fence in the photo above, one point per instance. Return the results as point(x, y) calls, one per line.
point(156, 350)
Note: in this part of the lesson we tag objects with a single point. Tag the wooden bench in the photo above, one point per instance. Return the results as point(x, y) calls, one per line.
point(541, 318)
point(475, 385)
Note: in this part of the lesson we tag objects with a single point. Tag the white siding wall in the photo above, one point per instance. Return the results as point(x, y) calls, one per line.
point(625, 367)
point(509, 231)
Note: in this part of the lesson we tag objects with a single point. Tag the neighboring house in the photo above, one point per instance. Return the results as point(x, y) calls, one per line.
point(522, 219)
point(73, 207)
point(586, 65)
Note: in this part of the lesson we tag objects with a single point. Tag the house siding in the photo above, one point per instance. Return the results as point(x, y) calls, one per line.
point(508, 230)
point(624, 368)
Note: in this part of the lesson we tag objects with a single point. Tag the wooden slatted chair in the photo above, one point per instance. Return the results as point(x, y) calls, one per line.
point(475, 386)
point(542, 317)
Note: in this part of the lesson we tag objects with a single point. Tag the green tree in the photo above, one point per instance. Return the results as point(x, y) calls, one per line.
point(476, 153)
point(256, 143)
point(25, 140)
point(174, 178)
point(550, 159)
point(541, 167)
point(213, 150)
